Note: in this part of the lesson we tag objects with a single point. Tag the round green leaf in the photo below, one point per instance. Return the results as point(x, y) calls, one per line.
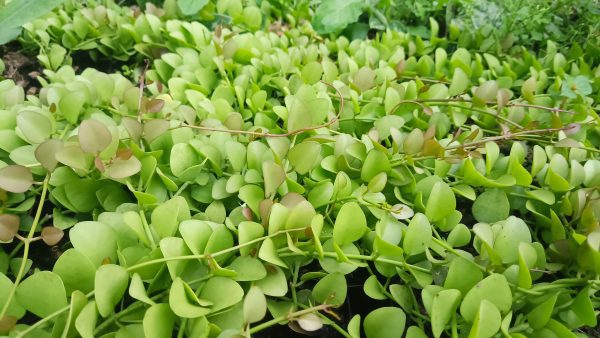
point(14, 309)
point(418, 235)
point(305, 156)
point(222, 292)
point(487, 322)
point(71, 104)
point(331, 289)
point(273, 176)
point(460, 82)
point(255, 305)
point(81, 278)
point(373, 288)
point(42, 293)
point(494, 289)
point(248, 269)
point(110, 284)
point(274, 284)
point(443, 309)
point(35, 127)
point(184, 302)
point(95, 240)
point(158, 321)
point(491, 206)
point(374, 163)
point(441, 202)
point(385, 322)
point(350, 224)
point(506, 243)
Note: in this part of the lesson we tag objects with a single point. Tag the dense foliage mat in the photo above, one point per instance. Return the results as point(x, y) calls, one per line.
point(246, 178)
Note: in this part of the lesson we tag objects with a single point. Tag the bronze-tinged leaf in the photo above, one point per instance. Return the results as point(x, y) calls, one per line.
point(124, 153)
point(7, 323)
point(133, 127)
point(432, 148)
point(247, 212)
point(264, 208)
point(94, 136)
point(51, 235)
point(99, 164)
point(400, 66)
point(154, 106)
point(45, 153)
point(15, 178)
point(430, 133)
point(9, 226)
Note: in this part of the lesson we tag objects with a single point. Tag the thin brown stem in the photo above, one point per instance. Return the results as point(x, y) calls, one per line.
point(142, 85)
point(507, 137)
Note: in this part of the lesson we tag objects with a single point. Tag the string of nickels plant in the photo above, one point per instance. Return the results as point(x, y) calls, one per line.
point(157, 261)
point(289, 133)
point(27, 242)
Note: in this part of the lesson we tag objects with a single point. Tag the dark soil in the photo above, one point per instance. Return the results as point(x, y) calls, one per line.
point(23, 69)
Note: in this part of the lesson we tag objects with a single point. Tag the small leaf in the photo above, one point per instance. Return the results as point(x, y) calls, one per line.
point(42, 293)
point(487, 322)
point(418, 235)
point(268, 253)
point(9, 226)
point(273, 176)
point(124, 168)
point(334, 15)
point(441, 202)
point(15, 178)
point(540, 315)
point(305, 156)
point(373, 288)
point(222, 292)
point(137, 290)
point(401, 211)
point(158, 321)
point(310, 322)
point(82, 278)
point(487, 91)
point(35, 126)
point(494, 289)
point(184, 302)
point(350, 224)
point(460, 81)
point(110, 285)
point(85, 323)
point(51, 235)
point(385, 322)
point(45, 153)
point(491, 206)
point(443, 309)
point(190, 7)
point(94, 137)
point(331, 289)
point(275, 284)
point(154, 128)
point(154, 106)
point(255, 305)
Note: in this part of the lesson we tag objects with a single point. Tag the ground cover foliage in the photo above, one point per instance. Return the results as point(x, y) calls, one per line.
point(254, 177)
